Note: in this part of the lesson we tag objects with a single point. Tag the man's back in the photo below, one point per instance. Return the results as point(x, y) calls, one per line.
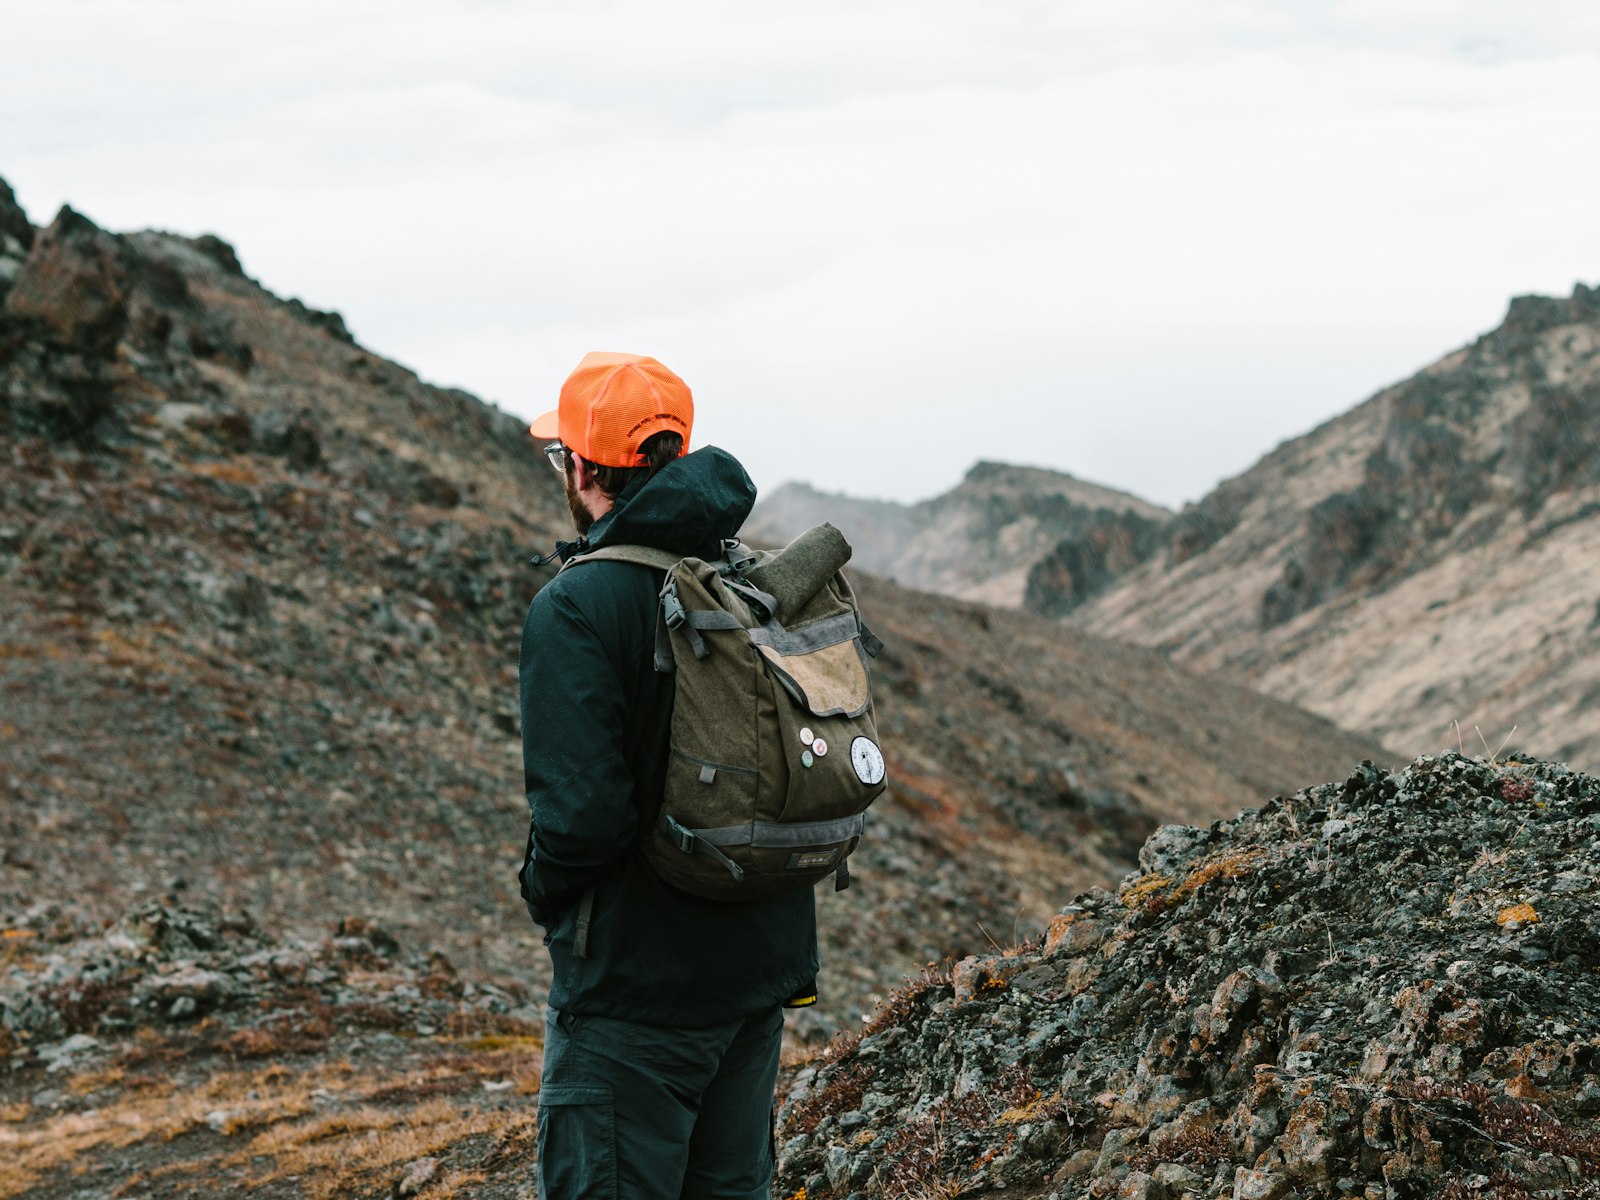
point(665, 1018)
point(595, 716)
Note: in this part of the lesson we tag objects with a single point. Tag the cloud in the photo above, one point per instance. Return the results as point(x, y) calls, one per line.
point(1142, 242)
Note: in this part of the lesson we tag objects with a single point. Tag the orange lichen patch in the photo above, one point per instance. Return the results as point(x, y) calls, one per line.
point(227, 472)
point(1517, 916)
point(1145, 889)
point(50, 650)
point(126, 649)
point(1059, 924)
point(1039, 1108)
point(14, 945)
point(1523, 1088)
point(1228, 866)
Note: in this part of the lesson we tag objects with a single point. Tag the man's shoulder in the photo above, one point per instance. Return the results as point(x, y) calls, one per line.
point(596, 586)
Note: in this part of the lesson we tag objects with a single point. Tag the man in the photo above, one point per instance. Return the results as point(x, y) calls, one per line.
point(665, 1019)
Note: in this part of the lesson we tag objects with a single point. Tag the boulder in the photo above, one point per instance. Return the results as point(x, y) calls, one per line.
point(72, 287)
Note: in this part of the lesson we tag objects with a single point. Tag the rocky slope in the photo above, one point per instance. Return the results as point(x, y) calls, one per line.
point(1388, 987)
point(982, 539)
point(260, 599)
point(1431, 557)
point(188, 1053)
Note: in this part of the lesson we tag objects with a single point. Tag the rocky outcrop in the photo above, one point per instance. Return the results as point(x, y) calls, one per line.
point(1106, 546)
point(1386, 987)
point(16, 238)
point(77, 304)
point(162, 965)
point(62, 317)
point(72, 287)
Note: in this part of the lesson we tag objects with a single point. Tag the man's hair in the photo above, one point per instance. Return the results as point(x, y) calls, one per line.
point(657, 451)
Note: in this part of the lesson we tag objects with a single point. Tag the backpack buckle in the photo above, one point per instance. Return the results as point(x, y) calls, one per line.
point(736, 556)
point(680, 836)
point(673, 614)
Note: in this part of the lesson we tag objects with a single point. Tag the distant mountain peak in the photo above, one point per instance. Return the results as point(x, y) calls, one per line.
point(981, 540)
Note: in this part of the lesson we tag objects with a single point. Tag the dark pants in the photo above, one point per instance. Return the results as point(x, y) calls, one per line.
point(644, 1112)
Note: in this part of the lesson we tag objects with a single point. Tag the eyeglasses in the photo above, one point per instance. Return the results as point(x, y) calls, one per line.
point(558, 455)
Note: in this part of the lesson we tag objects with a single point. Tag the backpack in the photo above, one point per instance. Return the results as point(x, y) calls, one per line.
point(774, 752)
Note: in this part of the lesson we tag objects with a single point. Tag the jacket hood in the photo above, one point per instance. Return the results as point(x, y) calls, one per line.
point(688, 507)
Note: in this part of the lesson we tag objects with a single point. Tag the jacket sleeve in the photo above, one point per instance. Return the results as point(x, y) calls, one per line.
point(576, 775)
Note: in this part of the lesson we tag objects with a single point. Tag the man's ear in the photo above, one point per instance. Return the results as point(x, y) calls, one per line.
point(582, 473)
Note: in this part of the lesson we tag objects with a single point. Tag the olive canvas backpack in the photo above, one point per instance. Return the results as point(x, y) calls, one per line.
point(774, 752)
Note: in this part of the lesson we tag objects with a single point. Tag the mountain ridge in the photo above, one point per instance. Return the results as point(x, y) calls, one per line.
point(1413, 567)
point(978, 541)
point(282, 580)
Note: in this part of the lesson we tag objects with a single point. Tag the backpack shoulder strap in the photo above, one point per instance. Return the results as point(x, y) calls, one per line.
point(644, 556)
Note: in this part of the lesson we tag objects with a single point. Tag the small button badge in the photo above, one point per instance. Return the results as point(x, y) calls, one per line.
point(807, 736)
point(805, 758)
point(820, 747)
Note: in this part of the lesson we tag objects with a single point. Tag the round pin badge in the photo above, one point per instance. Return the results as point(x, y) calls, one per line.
point(819, 747)
point(807, 736)
point(867, 760)
point(805, 758)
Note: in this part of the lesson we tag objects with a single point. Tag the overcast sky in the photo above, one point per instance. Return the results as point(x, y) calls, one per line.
point(1140, 241)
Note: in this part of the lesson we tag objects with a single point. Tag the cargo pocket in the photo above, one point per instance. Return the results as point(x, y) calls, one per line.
point(577, 1143)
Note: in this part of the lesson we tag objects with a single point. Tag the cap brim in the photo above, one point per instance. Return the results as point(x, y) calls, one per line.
point(548, 427)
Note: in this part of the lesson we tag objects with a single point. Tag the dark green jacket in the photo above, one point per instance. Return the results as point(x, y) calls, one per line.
point(595, 718)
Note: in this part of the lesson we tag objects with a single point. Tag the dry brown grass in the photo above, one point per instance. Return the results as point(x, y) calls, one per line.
point(332, 1128)
point(159, 1111)
point(333, 1155)
point(15, 944)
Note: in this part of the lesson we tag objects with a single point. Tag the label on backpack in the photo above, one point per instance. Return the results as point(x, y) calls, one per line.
point(813, 860)
point(867, 759)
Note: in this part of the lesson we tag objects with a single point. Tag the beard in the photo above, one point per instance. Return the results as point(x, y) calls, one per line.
point(581, 517)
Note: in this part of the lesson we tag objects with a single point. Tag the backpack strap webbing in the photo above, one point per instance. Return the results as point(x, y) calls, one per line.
point(643, 556)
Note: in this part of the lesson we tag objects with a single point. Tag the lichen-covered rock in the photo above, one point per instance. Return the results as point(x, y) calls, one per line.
point(72, 284)
point(162, 965)
point(1386, 987)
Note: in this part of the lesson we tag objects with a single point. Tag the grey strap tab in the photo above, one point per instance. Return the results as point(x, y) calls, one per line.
point(580, 934)
point(870, 642)
point(662, 655)
point(841, 877)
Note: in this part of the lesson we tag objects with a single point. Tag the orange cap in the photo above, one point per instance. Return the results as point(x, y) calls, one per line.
point(612, 403)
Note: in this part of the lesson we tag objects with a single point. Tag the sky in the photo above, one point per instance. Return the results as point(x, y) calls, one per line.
point(1141, 242)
